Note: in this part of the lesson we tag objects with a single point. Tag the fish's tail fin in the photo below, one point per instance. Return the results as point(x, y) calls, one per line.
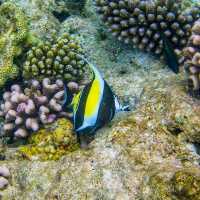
point(119, 107)
point(125, 108)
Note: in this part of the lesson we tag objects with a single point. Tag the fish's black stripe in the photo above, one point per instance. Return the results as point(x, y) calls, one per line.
point(107, 107)
point(81, 106)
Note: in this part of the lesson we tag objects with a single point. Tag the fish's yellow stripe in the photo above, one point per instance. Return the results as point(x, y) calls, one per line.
point(93, 99)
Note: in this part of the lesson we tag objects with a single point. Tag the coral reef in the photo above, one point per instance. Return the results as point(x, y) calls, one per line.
point(192, 60)
point(4, 175)
point(57, 59)
point(142, 23)
point(51, 143)
point(25, 110)
point(142, 154)
point(181, 184)
point(13, 32)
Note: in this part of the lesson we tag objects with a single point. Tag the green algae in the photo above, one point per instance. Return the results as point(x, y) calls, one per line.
point(14, 36)
point(186, 184)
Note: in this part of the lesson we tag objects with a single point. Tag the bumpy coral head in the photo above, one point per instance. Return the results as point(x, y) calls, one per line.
point(141, 22)
point(192, 60)
point(55, 59)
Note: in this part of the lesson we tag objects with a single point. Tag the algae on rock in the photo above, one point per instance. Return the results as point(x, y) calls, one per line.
point(50, 143)
point(13, 36)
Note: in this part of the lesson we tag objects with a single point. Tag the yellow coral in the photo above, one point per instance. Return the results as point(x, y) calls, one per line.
point(187, 184)
point(51, 143)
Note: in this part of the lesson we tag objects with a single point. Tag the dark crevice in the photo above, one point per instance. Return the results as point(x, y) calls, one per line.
point(196, 148)
point(61, 16)
point(174, 129)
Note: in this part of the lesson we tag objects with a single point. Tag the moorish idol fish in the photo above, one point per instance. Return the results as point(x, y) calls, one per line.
point(95, 105)
point(170, 55)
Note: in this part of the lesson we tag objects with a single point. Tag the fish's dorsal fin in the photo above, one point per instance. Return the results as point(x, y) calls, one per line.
point(95, 71)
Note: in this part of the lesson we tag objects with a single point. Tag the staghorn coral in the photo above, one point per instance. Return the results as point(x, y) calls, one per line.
point(142, 23)
point(13, 32)
point(59, 141)
point(56, 59)
point(192, 60)
point(25, 110)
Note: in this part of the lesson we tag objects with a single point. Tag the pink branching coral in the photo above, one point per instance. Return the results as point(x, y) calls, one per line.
point(26, 109)
point(192, 60)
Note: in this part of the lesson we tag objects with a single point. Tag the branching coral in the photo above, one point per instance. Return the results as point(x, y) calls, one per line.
point(13, 31)
point(143, 22)
point(51, 143)
point(56, 59)
point(25, 110)
point(192, 60)
point(4, 175)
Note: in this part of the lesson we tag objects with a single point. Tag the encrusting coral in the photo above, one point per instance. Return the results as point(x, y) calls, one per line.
point(145, 23)
point(25, 109)
point(187, 184)
point(13, 34)
point(57, 59)
point(51, 143)
point(192, 60)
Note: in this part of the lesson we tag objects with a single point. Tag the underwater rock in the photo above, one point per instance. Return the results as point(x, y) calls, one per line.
point(192, 61)
point(25, 109)
point(51, 143)
point(55, 59)
point(142, 23)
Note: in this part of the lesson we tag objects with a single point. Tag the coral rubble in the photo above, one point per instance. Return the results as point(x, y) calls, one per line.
point(192, 60)
point(25, 109)
point(51, 143)
point(13, 32)
point(57, 59)
point(145, 23)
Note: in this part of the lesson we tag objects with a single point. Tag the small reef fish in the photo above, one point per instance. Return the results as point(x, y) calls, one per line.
point(170, 56)
point(94, 106)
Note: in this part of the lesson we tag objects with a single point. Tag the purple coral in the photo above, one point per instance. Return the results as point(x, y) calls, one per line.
point(39, 103)
point(192, 60)
point(4, 175)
